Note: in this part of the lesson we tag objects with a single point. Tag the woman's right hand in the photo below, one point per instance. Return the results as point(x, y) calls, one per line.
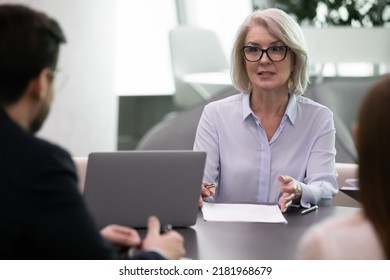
point(207, 190)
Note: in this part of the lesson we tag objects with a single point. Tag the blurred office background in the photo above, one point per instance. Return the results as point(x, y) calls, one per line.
point(118, 80)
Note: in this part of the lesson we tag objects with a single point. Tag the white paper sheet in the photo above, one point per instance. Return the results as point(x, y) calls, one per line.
point(353, 183)
point(220, 212)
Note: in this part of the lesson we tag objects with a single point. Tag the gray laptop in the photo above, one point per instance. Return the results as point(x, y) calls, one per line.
point(126, 187)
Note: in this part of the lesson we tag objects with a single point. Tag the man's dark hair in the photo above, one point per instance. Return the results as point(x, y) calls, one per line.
point(29, 42)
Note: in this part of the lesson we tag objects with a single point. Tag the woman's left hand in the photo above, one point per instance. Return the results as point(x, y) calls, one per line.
point(291, 191)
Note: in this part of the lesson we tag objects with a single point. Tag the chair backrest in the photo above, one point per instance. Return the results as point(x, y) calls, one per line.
point(177, 130)
point(345, 171)
point(194, 50)
point(342, 95)
point(81, 169)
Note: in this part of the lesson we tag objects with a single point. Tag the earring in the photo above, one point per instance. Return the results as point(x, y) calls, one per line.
point(290, 82)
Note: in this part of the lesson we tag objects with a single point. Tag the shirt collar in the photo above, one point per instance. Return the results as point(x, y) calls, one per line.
point(291, 110)
point(246, 108)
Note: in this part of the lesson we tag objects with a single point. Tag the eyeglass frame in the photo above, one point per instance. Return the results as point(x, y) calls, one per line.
point(58, 78)
point(265, 51)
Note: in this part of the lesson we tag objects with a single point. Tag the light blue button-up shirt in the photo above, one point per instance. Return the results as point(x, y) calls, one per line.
point(246, 165)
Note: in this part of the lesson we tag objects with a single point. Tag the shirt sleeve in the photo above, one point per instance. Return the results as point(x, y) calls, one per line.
point(206, 139)
point(320, 183)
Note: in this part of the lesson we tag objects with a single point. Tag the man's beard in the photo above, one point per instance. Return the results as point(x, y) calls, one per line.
point(37, 123)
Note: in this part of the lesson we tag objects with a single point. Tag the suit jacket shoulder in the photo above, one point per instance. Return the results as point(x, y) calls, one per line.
point(43, 215)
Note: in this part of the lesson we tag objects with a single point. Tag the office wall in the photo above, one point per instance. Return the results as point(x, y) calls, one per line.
point(84, 113)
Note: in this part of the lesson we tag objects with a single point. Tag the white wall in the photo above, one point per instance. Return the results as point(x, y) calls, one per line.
point(143, 65)
point(84, 113)
point(347, 51)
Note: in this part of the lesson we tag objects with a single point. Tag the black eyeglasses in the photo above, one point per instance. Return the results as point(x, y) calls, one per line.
point(274, 53)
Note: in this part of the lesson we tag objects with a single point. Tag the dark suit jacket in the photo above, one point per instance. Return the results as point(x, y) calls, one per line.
point(42, 213)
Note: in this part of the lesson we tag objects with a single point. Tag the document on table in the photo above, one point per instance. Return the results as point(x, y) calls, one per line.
point(221, 212)
point(353, 184)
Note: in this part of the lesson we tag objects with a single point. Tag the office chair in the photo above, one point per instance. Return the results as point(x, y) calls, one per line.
point(194, 50)
point(342, 95)
point(177, 130)
point(81, 169)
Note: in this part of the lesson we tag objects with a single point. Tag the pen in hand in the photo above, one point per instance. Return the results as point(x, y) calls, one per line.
point(309, 210)
point(210, 186)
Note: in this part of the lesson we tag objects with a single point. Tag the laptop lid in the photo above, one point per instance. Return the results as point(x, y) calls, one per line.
point(126, 187)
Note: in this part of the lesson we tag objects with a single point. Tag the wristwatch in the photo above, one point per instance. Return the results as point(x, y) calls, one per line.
point(298, 189)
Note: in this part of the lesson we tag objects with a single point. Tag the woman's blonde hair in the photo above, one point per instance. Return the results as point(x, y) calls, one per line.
point(287, 30)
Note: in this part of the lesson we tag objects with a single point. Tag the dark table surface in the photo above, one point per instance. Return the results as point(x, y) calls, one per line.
point(253, 241)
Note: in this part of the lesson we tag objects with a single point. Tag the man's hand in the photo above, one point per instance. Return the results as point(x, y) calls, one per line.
point(121, 235)
point(170, 243)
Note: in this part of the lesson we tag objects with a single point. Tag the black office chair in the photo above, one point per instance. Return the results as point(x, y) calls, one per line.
point(177, 130)
point(342, 95)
